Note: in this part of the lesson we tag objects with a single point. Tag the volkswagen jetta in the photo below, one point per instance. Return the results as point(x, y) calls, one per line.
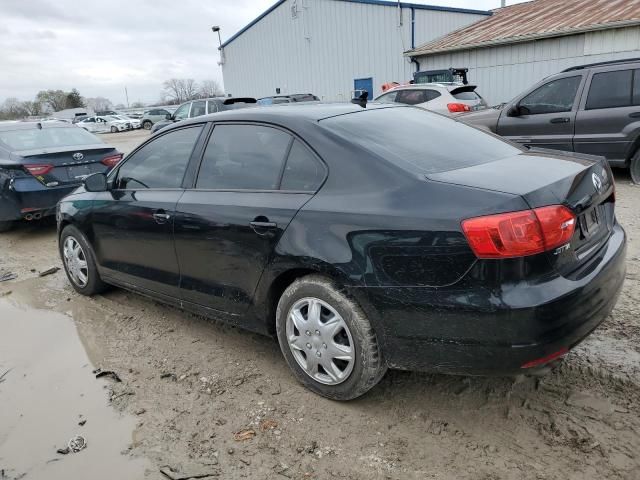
point(364, 239)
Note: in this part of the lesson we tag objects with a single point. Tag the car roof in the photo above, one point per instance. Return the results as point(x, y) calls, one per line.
point(288, 113)
point(32, 125)
point(448, 86)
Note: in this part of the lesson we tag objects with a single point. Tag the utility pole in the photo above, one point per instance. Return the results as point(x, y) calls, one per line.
point(216, 29)
point(126, 95)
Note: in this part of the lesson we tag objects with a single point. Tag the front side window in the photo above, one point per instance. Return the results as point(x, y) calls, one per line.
point(243, 157)
point(303, 171)
point(182, 112)
point(387, 97)
point(610, 90)
point(198, 109)
point(161, 163)
point(553, 97)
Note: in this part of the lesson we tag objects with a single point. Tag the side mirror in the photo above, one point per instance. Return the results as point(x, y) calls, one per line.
point(168, 116)
point(96, 182)
point(514, 111)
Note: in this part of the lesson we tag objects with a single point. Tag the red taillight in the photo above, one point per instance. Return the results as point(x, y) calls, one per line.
point(544, 360)
point(518, 234)
point(458, 107)
point(38, 170)
point(112, 160)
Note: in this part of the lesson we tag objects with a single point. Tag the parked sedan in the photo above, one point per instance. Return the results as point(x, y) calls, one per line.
point(42, 162)
point(135, 124)
point(447, 98)
point(104, 124)
point(362, 238)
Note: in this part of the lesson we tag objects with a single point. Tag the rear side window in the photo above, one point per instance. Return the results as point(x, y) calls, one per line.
point(553, 97)
point(161, 163)
point(303, 171)
point(466, 96)
point(610, 90)
point(243, 157)
point(213, 106)
point(419, 141)
point(414, 97)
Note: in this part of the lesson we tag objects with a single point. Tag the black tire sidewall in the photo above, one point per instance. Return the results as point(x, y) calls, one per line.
point(360, 379)
point(634, 168)
point(95, 283)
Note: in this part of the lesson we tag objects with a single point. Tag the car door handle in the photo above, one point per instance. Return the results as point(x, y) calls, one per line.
point(161, 217)
point(560, 120)
point(634, 115)
point(264, 225)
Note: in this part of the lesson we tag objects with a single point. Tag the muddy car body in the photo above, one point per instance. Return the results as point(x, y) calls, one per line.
point(357, 240)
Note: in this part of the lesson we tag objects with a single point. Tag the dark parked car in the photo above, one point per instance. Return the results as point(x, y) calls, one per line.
point(592, 109)
point(363, 238)
point(197, 108)
point(42, 162)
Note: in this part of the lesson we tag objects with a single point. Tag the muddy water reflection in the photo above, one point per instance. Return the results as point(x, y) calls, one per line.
point(48, 387)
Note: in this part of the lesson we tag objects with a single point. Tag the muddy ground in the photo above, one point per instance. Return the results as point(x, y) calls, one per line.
point(202, 397)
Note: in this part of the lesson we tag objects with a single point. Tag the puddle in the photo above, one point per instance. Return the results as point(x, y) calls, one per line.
point(48, 386)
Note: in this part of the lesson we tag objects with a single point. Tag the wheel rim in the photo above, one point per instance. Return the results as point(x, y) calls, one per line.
point(320, 341)
point(147, 125)
point(635, 171)
point(75, 261)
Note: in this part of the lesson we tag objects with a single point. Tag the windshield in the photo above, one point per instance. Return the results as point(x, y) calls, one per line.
point(418, 140)
point(47, 138)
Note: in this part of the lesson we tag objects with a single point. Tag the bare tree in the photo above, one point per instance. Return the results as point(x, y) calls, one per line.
point(190, 89)
point(210, 88)
point(173, 89)
point(99, 104)
point(55, 100)
point(137, 105)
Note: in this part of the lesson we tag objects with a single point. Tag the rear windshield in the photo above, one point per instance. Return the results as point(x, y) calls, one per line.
point(418, 140)
point(466, 96)
point(47, 138)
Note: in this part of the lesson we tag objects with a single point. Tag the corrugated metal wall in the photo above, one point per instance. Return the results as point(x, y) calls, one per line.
point(503, 72)
point(327, 45)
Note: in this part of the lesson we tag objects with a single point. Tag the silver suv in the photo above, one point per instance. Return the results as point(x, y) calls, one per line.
point(450, 99)
point(152, 116)
point(591, 109)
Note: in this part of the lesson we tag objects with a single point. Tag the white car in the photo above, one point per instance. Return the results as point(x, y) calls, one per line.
point(450, 99)
point(135, 123)
point(104, 124)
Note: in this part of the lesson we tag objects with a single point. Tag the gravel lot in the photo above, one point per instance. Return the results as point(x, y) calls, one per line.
point(201, 396)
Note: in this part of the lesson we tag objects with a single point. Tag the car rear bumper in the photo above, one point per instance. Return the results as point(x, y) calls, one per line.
point(496, 332)
point(27, 197)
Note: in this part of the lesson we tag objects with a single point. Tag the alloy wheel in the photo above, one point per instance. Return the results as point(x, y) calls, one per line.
point(320, 341)
point(76, 262)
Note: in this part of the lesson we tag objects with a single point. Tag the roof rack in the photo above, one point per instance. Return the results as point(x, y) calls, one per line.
point(599, 64)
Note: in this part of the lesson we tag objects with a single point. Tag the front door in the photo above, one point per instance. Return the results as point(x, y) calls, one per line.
point(361, 85)
point(545, 117)
point(229, 224)
point(133, 221)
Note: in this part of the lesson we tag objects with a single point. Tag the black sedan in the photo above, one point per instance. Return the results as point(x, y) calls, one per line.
point(40, 163)
point(365, 239)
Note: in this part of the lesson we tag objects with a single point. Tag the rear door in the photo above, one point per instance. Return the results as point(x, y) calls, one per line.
point(608, 121)
point(546, 116)
point(133, 221)
point(243, 199)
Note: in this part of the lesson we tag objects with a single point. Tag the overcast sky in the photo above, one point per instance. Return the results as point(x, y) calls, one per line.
point(101, 46)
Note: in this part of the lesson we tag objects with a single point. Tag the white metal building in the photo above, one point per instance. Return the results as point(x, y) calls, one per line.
point(332, 47)
point(521, 44)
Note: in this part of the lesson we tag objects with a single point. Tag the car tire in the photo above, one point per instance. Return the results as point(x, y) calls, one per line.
point(93, 284)
point(634, 168)
point(147, 125)
point(345, 332)
point(5, 226)
point(114, 130)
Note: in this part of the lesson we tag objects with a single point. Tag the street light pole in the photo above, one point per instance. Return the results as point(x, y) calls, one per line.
point(216, 29)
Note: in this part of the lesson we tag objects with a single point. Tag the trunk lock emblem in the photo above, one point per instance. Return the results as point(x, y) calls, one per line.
point(79, 156)
point(597, 182)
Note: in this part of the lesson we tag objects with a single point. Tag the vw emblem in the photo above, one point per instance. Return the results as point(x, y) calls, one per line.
point(597, 182)
point(78, 156)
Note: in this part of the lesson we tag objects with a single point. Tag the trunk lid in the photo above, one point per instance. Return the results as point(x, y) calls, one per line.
point(582, 183)
point(70, 165)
